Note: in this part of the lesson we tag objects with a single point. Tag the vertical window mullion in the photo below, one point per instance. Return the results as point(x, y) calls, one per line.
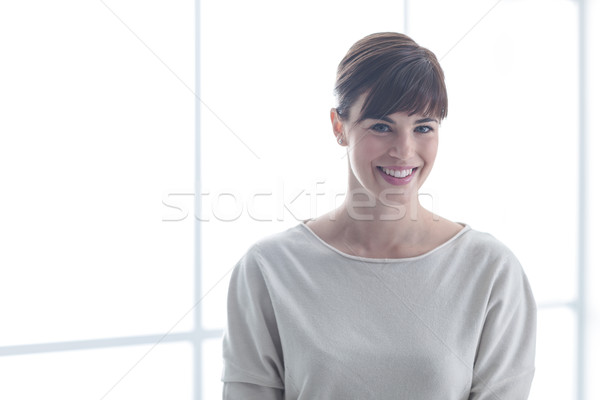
point(583, 204)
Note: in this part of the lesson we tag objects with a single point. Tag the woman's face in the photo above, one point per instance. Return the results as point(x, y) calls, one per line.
point(389, 157)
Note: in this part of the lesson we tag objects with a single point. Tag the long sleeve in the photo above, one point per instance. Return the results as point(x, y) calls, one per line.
point(306, 321)
point(252, 355)
point(248, 391)
point(504, 365)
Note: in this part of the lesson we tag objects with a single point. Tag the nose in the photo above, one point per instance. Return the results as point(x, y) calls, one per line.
point(403, 146)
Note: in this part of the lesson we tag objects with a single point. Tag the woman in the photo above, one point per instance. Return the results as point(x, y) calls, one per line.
point(381, 299)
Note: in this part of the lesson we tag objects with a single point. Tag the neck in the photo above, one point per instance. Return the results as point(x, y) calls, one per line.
point(382, 229)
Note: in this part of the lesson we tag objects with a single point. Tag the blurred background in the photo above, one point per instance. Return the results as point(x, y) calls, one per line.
point(145, 145)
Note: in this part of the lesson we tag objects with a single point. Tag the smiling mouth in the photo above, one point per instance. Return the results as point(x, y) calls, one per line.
point(397, 173)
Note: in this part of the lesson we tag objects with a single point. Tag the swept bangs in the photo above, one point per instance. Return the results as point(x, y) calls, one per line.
point(413, 88)
point(396, 73)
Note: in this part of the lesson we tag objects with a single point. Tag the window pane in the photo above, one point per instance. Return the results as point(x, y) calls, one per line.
point(112, 374)
point(555, 355)
point(212, 366)
point(95, 132)
point(508, 160)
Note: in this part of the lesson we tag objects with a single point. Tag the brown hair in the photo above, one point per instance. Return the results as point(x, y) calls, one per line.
point(397, 73)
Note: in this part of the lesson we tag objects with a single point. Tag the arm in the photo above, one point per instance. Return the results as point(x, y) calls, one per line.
point(504, 364)
point(252, 354)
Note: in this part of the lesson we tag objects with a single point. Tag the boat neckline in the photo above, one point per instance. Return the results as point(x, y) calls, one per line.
point(466, 228)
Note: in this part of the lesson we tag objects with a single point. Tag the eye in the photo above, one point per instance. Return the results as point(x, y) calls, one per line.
point(381, 128)
point(423, 129)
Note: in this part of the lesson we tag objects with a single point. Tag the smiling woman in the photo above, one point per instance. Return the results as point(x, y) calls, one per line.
point(370, 301)
point(399, 148)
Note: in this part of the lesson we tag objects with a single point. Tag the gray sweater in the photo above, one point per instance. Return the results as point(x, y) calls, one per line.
point(306, 321)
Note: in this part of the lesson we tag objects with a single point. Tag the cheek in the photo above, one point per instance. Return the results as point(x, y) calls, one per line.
point(363, 152)
point(430, 149)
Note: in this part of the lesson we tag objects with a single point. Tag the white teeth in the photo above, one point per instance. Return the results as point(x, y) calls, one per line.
point(398, 173)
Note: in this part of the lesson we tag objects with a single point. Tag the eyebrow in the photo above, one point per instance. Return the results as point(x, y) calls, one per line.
point(419, 121)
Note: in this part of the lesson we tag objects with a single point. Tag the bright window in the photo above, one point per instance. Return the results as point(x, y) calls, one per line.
point(96, 127)
point(134, 175)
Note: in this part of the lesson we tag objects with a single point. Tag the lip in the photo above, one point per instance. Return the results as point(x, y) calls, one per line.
point(397, 181)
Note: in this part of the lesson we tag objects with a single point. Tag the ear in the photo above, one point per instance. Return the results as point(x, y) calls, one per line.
point(337, 124)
